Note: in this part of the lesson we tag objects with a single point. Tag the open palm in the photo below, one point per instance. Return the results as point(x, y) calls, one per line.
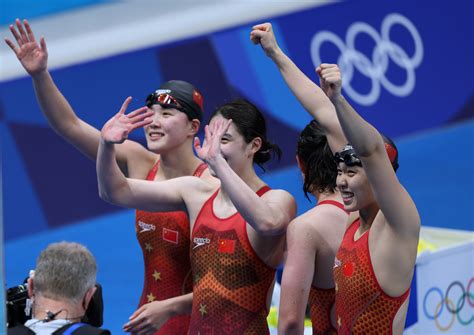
point(33, 56)
point(116, 130)
point(211, 148)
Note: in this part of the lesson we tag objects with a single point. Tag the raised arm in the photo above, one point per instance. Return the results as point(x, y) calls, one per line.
point(269, 214)
point(297, 277)
point(310, 95)
point(115, 188)
point(393, 200)
point(56, 109)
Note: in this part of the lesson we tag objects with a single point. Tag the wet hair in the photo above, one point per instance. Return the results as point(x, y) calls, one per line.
point(250, 123)
point(318, 165)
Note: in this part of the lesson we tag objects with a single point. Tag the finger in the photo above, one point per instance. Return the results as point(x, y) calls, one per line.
point(134, 323)
point(207, 134)
point(12, 46)
point(138, 111)
point(16, 35)
point(43, 45)
point(144, 329)
point(124, 106)
point(138, 326)
point(263, 26)
point(137, 312)
point(143, 123)
point(29, 32)
point(24, 38)
point(258, 34)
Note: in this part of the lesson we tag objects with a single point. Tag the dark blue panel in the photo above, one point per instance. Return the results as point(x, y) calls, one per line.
point(22, 212)
point(63, 179)
point(2, 113)
point(95, 90)
point(466, 113)
point(412, 313)
point(438, 93)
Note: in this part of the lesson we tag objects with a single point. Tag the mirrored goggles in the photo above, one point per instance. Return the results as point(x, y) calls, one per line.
point(164, 100)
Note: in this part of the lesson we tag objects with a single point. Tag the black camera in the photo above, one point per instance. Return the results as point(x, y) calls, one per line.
point(18, 314)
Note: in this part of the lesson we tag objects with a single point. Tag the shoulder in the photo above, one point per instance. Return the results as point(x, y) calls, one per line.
point(139, 160)
point(20, 330)
point(82, 329)
point(278, 195)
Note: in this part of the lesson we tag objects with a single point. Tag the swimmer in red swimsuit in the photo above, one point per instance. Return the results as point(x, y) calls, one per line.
point(238, 232)
point(163, 237)
point(375, 263)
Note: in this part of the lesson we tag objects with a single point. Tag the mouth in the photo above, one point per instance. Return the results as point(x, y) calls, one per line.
point(155, 135)
point(347, 197)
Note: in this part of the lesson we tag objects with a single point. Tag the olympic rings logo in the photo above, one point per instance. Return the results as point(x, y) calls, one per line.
point(451, 304)
point(375, 69)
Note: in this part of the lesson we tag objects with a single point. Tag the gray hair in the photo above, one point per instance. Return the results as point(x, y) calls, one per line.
point(65, 271)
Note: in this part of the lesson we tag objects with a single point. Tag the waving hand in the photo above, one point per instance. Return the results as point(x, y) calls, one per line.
point(211, 148)
point(116, 130)
point(33, 56)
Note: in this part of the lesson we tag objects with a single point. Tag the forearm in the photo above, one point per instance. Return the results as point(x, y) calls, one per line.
point(253, 208)
point(54, 106)
point(292, 310)
point(112, 183)
point(181, 305)
point(360, 134)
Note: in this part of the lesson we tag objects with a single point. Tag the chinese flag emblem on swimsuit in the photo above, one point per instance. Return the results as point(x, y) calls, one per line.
point(170, 235)
point(226, 246)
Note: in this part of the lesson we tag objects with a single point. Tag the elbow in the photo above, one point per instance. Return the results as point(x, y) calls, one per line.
point(271, 228)
point(104, 195)
point(109, 195)
point(290, 327)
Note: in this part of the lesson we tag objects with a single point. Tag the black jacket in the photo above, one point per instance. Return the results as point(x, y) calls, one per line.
point(81, 329)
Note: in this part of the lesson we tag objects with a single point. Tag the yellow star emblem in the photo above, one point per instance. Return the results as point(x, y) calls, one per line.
point(339, 322)
point(148, 247)
point(151, 297)
point(202, 309)
point(157, 275)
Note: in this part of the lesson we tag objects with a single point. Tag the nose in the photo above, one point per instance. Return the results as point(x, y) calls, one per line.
point(341, 181)
point(156, 120)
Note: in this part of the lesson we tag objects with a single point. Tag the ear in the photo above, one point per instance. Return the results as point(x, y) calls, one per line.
point(195, 124)
point(256, 144)
point(87, 298)
point(30, 287)
point(300, 164)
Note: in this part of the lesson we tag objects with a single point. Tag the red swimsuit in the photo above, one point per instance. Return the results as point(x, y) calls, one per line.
point(231, 282)
point(361, 305)
point(164, 239)
point(321, 300)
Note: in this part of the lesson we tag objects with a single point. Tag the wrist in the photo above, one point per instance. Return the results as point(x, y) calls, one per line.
point(216, 162)
point(40, 75)
point(337, 98)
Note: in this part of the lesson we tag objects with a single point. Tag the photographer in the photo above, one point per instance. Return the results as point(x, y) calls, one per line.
point(61, 289)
